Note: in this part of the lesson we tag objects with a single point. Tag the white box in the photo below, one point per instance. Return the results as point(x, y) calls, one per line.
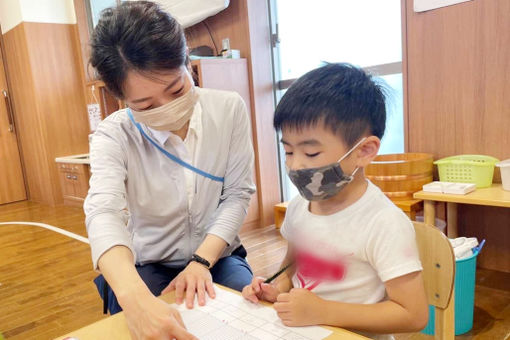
point(449, 187)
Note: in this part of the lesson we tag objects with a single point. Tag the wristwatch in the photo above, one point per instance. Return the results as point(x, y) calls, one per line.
point(201, 260)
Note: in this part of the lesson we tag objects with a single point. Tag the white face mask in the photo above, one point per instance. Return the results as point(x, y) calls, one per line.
point(171, 116)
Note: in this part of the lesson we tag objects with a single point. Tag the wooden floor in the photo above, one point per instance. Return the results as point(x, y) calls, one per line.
point(46, 285)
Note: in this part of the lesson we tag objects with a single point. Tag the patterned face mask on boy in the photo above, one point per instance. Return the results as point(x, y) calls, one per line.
point(324, 182)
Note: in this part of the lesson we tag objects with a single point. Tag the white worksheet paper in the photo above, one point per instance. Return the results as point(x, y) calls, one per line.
point(230, 317)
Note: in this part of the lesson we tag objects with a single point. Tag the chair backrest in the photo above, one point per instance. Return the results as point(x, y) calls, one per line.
point(438, 261)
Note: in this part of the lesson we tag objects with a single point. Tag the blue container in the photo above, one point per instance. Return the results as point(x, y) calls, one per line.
point(465, 275)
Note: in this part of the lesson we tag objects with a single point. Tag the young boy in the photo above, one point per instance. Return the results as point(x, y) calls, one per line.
point(354, 254)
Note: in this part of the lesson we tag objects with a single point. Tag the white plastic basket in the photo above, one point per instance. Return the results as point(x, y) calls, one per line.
point(504, 166)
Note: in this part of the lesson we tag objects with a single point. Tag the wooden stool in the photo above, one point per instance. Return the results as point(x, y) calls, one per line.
point(410, 207)
point(279, 213)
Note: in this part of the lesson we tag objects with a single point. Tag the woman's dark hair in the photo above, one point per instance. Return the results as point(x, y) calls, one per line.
point(346, 99)
point(136, 35)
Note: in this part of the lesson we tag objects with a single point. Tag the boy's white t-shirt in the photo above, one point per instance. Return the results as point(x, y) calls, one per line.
point(347, 256)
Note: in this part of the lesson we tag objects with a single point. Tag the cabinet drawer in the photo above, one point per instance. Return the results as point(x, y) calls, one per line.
point(81, 184)
point(67, 181)
point(74, 179)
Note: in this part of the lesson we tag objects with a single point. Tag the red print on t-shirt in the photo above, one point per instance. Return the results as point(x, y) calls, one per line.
point(312, 270)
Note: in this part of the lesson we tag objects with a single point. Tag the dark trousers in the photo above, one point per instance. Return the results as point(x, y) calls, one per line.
point(232, 271)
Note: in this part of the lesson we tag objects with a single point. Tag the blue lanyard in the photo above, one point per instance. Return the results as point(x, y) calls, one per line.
point(172, 157)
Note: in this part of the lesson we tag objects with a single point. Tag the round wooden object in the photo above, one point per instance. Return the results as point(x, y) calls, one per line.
point(400, 175)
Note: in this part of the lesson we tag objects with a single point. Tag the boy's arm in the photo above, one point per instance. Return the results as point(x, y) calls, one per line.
point(405, 310)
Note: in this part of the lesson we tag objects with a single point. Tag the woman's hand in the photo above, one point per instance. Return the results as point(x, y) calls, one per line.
point(151, 318)
point(194, 279)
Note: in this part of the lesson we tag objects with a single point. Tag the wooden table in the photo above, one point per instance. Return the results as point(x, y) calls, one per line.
point(493, 196)
point(115, 327)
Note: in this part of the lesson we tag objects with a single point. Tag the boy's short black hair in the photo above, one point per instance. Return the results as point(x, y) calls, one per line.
point(345, 98)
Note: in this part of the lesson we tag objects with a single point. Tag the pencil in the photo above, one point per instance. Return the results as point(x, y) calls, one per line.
point(278, 273)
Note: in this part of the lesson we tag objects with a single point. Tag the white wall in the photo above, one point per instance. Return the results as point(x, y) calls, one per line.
point(13, 12)
point(10, 14)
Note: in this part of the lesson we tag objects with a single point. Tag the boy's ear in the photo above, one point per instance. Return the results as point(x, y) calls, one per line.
point(368, 150)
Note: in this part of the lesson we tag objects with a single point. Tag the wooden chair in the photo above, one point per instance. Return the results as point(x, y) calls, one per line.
point(438, 261)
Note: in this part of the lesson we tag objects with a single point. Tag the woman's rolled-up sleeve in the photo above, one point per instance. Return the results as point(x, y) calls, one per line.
point(106, 205)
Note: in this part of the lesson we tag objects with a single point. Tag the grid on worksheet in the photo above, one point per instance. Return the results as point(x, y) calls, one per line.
point(230, 317)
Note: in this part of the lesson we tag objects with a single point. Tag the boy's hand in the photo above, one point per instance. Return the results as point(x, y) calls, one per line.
point(258, 290)
point(299, 307)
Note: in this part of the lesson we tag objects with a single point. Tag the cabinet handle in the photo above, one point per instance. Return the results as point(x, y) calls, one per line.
point(9, 111)
point(75, 177)
point(68, 176)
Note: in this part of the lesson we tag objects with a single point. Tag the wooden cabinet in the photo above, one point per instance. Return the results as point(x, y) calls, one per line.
point(74, 179)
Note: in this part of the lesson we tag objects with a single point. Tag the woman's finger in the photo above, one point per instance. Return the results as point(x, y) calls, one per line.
point(201, 292)
point(179, 333)
point(191, 287)
point(210, 289)
point(180, 286)
point(169, 288)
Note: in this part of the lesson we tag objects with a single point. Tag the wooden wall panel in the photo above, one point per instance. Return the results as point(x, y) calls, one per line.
point(49, 101)
point(459, 79)
point(27, 122)
point(59, 88)
point(403, 14)
point(458, 97)
point(261, 72)
point(83, 37)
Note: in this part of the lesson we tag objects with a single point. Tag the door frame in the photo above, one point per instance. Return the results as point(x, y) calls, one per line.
point(13, 111)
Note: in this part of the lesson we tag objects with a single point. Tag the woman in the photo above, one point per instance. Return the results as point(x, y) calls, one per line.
point(171, 175)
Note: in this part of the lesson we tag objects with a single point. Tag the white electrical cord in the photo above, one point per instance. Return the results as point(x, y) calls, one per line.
point(52, 228)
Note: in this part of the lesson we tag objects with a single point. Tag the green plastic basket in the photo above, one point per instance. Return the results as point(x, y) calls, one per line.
point(477, 169)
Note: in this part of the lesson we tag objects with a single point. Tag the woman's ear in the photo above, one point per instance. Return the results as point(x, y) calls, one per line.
point(194, 76)
point(368, 150)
